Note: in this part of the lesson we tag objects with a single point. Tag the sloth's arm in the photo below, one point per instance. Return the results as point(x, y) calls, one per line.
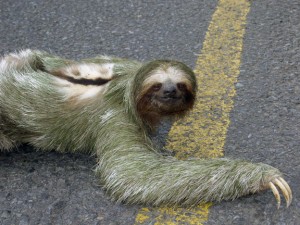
point(132, 173)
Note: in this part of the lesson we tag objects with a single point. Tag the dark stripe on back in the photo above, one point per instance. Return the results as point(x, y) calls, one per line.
point(82, 81)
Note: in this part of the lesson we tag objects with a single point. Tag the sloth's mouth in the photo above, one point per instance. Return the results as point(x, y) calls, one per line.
point(169, 99)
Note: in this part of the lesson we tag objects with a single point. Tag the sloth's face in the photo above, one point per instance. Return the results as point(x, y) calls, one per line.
point(167, 92)
point(169, 96)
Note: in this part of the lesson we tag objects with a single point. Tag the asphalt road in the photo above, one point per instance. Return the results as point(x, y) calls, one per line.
point(265, 122)
point(51, 188)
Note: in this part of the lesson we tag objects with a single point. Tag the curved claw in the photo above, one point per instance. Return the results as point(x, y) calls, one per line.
point(276, 194)
point(288, 190)
point(284, 187)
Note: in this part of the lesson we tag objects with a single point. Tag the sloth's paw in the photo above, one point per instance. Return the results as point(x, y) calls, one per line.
point(283, 187)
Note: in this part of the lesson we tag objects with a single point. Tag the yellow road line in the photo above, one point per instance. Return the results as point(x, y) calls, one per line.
point(203, 132)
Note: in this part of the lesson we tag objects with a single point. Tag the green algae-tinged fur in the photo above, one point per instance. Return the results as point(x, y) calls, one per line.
point(34, 110)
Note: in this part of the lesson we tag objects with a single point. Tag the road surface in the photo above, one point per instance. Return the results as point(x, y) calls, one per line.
point(53, 188)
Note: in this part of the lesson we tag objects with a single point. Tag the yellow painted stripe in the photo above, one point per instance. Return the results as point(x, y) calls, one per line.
point(203, 132)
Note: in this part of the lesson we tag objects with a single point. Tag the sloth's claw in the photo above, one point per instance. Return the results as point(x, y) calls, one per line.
point(288, 191)
point(284, 187)
point(276, 194)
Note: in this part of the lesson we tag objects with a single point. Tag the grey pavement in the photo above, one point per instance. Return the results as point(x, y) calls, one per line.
point(53, 188)
point(265, 122)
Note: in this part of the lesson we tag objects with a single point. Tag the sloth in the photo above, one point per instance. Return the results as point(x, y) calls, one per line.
point(108, 107)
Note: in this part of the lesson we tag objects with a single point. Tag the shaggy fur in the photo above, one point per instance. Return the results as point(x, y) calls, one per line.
point(107, 106)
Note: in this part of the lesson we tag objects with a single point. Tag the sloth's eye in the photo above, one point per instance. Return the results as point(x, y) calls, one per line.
point(181, 86)
point(156, 87)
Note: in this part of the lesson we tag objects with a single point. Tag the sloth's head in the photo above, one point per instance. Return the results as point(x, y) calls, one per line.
point(165, 88)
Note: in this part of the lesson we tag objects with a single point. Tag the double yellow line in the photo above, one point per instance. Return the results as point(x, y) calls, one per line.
point(203, 132)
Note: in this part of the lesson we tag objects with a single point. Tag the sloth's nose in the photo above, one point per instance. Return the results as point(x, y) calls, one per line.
point(170, 91)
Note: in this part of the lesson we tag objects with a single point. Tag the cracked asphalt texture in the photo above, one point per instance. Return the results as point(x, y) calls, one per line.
point(52, 188)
